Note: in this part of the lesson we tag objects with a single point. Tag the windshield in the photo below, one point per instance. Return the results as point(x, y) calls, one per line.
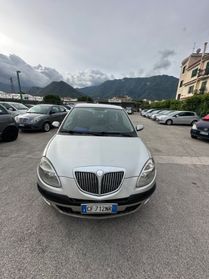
point(19, 106)
point(40, 109)
point(99, 122)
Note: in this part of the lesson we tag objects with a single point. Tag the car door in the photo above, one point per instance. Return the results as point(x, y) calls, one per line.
point(4, 118)
point(54, 114)
point(190, 117)
point(180, 118)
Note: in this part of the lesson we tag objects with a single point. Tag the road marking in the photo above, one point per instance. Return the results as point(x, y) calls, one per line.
point(182, 160)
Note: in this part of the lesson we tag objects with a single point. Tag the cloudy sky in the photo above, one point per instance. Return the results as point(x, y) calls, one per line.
point(88, 41)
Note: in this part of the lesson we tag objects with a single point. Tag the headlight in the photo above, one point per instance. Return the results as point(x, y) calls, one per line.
point(48, 174)
point(147, 174)
point(17, 118)
point(194, 127)
point(37, 119)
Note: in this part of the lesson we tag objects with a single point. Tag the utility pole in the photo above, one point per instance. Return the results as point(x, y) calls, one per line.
point(12, 85)
point(18, 80)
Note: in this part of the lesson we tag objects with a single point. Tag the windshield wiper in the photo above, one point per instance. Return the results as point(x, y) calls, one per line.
point(100, 134)
point(71, 132)
point(117, 134)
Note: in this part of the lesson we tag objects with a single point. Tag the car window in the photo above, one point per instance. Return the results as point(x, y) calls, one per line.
point(19, 106)
point(182, 114)
point(189, 113)
point(3, 110)
point(62, 109)
point(55, 109)
point(40, 109)
point(8, 107)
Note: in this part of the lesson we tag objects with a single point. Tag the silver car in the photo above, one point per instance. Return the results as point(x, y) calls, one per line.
point(178, 117)
point(96, 165)
point(14, 108)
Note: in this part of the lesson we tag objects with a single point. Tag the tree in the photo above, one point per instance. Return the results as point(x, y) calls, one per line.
point(85, 99)
point(52, 99)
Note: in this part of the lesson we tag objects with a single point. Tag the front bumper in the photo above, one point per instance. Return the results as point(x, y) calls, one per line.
point(197, 133)
point(27, 126)
point(72, 206)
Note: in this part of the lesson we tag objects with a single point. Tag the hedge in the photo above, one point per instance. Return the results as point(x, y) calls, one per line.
point(197, 103)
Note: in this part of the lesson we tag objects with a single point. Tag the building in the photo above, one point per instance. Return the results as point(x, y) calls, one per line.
point(194, 77)
point(120, 99)
point(14, 97)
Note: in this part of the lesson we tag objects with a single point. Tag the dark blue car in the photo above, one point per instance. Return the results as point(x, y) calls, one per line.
point(201, 128)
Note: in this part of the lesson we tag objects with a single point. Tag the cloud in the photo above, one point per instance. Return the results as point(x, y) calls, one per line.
point(164, 61)
point(30, 76)
point(87, 78)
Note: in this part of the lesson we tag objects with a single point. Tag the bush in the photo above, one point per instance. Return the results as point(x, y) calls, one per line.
point(197, 103)
point(52, 99)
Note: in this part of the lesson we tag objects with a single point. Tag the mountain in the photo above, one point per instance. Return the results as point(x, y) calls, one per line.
point(61, 89)
point(151, 88)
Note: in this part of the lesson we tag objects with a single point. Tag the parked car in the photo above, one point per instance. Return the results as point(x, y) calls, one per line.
point(14, 108)
point(129, 110)
point(200, 129)
point(96, 165)
point(179, 117)
point(147, 112)
point(163, 112)
point(40, 117)
point(143, 112)
point(149, 115)
point(8, 126)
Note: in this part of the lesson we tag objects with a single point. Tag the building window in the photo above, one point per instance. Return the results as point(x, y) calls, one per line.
point(194, 72)
point(178, 96)
point(207, 69)
point(203, 87)
point(183, 70)
point(181, 83)
point(191, 89)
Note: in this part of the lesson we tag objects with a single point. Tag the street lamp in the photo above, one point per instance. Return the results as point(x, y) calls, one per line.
point(18, 80)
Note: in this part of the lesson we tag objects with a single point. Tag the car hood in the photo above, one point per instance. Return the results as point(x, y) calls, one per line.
point(67, 152)
point(202, 124)
point(31, 115)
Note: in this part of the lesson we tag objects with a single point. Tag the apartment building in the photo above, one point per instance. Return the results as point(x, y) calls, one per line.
point(194, 77)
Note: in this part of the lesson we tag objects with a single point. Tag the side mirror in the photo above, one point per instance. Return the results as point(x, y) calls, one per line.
point(139, 127)
point(56, 124)
point(10, 109)
point(51, 112)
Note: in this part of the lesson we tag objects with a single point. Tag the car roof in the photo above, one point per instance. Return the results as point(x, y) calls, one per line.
point(89, 105)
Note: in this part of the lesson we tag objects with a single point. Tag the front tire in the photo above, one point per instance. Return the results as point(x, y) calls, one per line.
point(46, 127)
point(169, 122)
point(10, 134)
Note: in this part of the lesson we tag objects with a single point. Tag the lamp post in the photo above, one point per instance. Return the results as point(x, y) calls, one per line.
point(18, 80)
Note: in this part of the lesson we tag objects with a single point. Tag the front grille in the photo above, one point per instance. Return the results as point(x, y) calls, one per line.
point(111, 181)
point(87, 181)
point(23, 120)
point(205, 129)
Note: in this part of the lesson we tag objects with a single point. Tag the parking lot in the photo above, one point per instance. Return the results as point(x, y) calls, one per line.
point(168, 238)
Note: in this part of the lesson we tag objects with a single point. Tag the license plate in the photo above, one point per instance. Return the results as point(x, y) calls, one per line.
point(99, 208)
point(21, 125)
point(204, 133)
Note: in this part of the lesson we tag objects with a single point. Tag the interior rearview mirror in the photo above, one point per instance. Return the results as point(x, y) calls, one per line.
point(139, 127)
point(56, 124)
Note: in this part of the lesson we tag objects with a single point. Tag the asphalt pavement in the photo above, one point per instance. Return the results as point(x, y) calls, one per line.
point(166, 239)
